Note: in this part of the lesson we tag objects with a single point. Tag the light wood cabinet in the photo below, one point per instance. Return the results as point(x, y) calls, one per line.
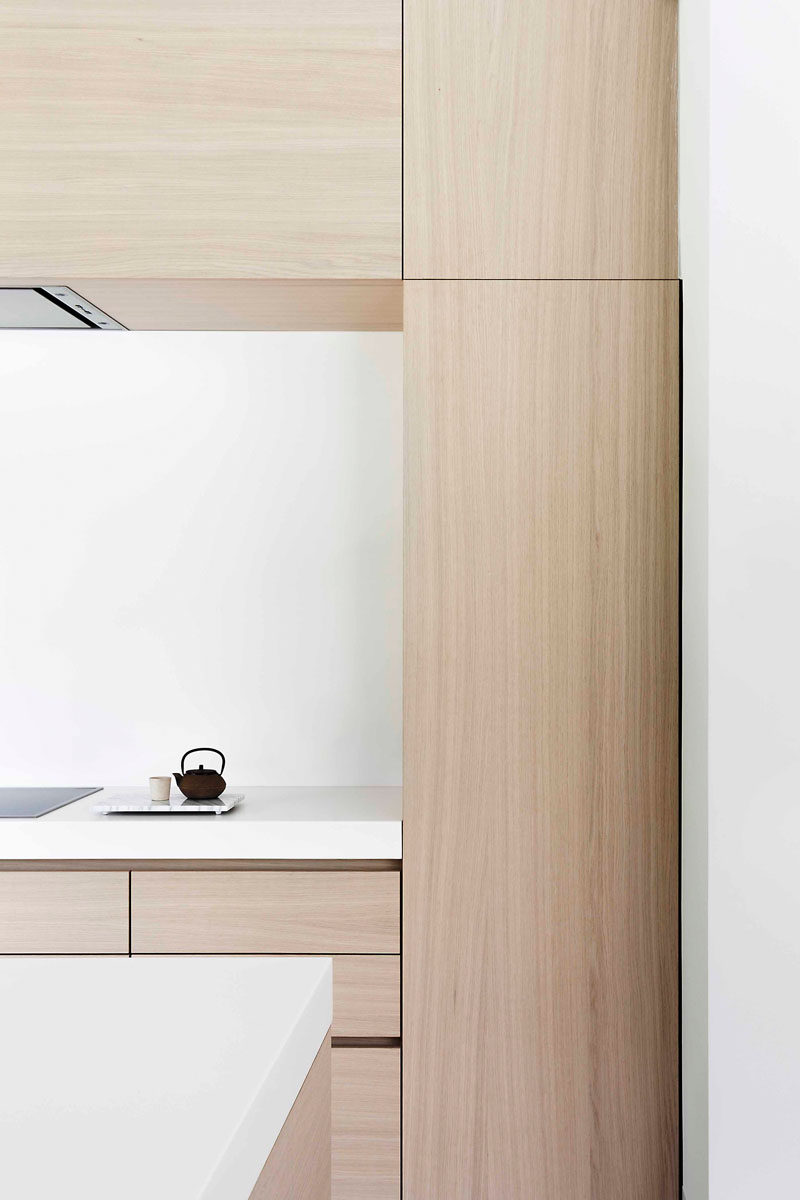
point(333, 912)
point(242, 139)
point(366, 996)
point(265, 912)
point(242, 911)
point(366, 1124)
point(540, 890)
point(540, 139)
point(244, 304)
point(63, 912)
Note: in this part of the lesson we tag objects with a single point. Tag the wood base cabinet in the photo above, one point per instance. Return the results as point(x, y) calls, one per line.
point(540, 892)
point(366, 1123)
point(352, 915)
point(63, 912)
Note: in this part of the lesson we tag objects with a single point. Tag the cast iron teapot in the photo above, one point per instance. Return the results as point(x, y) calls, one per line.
point(200, 783)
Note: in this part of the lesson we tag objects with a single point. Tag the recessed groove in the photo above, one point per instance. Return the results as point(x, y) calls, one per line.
point(202, 864)
point(540, 279)
point(354, 1043)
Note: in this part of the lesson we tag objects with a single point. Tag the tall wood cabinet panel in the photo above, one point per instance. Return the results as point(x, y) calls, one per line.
point(540, 139)
point(540, 969)
point(200, 138)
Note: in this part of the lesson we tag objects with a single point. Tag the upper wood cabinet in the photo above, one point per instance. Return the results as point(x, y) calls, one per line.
point(246, 304)
point(540, 139)
point(200, 138)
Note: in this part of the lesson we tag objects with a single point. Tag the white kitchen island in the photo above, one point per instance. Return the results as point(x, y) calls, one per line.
point(160, 1078)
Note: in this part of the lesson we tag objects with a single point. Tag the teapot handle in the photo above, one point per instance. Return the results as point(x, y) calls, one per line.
point(210, 749)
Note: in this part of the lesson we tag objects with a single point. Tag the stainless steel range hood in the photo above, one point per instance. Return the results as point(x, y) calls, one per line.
point(51, 307)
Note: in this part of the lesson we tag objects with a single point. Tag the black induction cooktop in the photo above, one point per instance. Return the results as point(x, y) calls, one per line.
point(35, 802)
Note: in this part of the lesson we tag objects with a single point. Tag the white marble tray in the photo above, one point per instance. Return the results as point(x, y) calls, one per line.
point(174, 807)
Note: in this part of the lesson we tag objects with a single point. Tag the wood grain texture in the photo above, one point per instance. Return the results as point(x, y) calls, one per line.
point(540, 894)
point(540, 139)
point(366, 995)
point(64, 912)
point(299, 1164)
point(366, 1124)
point(265, 912)
point(211, 139)
point(248, 304)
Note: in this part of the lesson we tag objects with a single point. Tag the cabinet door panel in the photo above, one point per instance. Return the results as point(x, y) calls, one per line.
point(540, 139)
point(540, 889)
point(244, 139)
point(366, 1124)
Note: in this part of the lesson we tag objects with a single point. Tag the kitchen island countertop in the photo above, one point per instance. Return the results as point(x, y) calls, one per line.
point(271, 823)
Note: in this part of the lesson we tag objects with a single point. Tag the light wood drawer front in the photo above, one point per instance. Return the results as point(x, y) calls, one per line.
point(63, 912)
point(366, 1124)
point(366, 995)
point(265, 912)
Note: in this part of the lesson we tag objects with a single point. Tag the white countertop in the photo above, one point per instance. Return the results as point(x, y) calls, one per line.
point(166, 1078)
point(270, 823)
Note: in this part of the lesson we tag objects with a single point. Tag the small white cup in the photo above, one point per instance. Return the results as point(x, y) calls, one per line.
point(159, 788)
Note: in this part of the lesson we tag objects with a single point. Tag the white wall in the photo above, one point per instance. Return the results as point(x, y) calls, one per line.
point(753, 357)
point(694, 221)
point(201, 539)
